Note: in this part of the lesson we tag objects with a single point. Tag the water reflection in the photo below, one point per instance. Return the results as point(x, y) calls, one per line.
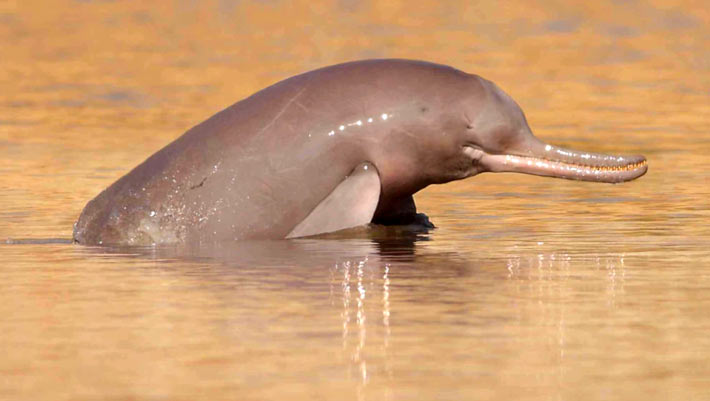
point(527, 305)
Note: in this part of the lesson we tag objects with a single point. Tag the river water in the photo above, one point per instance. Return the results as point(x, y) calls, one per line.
point(530, 288)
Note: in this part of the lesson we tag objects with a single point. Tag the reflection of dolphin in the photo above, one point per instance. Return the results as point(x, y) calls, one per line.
point(330, 149)
point(301, 252)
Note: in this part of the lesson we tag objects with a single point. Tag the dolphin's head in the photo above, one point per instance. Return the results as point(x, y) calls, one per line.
point(490, 134)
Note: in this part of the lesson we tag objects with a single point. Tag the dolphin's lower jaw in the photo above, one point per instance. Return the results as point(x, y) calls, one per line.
point(569, 164)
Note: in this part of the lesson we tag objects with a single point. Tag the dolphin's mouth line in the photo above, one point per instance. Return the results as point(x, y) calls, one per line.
point(544, 162)
point(577, 166)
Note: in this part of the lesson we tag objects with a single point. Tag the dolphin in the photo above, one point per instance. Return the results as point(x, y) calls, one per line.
point(330, 149)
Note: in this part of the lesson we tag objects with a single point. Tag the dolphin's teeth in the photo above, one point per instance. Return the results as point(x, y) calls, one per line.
point(588, 168)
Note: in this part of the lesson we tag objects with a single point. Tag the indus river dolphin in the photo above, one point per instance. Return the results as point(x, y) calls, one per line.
point(330, 149)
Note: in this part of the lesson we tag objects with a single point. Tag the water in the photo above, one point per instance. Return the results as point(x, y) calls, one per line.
point(531, 288)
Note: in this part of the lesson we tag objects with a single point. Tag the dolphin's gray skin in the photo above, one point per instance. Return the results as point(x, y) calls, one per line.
point(330, 149)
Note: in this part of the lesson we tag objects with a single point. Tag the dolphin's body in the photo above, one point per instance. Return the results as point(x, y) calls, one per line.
point(330, 149)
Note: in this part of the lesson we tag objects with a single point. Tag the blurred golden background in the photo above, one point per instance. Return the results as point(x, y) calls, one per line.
point(530, 288)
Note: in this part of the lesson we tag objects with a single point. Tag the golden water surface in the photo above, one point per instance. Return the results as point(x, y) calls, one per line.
point(530, 289)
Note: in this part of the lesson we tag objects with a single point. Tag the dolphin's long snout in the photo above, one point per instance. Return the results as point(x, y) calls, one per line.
point(552, 161)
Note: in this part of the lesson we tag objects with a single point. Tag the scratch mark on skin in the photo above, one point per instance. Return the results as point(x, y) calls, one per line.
point(283, 110)
point(200, 184)
point(299, 104)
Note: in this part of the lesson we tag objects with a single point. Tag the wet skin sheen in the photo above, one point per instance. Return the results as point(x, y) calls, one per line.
point(257, 169)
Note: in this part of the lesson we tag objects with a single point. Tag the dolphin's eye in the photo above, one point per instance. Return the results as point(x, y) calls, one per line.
point(469, 123)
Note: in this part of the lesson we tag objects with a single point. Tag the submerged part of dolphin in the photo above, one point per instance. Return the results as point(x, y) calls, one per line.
point(330, 149)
